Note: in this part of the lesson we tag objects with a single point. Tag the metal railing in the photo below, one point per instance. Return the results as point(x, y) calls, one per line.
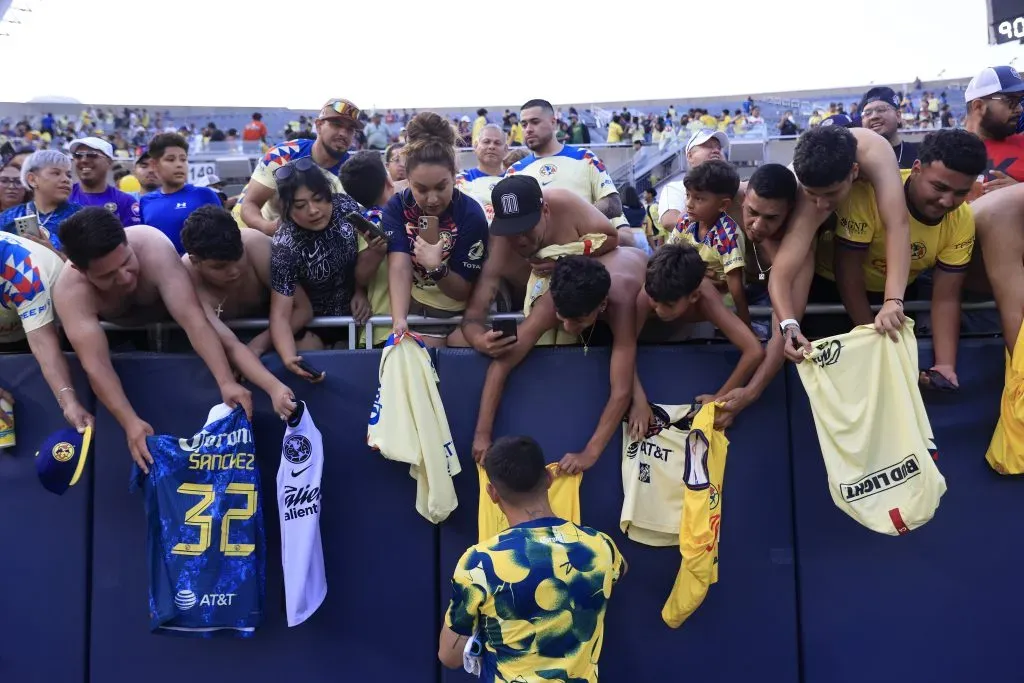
point(157, 331)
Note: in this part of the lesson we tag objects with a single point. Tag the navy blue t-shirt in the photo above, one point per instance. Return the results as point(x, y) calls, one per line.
point(168, 212)
point(463, 229)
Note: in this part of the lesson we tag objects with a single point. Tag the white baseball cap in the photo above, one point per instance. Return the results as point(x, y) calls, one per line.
point(705, 134)
point(994, 80)
point(101, 146)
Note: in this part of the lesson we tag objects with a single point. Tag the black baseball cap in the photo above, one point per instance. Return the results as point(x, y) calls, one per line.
point(517, 202)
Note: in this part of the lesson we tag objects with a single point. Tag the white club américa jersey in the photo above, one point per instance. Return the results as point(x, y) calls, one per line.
point(298, 504)
point(576, 169)
point(478, 185)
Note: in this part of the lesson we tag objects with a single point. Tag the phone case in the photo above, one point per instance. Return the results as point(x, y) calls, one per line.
point(429, 229)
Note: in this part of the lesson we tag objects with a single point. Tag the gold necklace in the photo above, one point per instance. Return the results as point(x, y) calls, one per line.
point(220, 307)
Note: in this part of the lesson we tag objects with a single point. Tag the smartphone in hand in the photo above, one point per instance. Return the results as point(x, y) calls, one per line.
point(506, 327)
point(28, 226)
point(429, 228)
point(364, 225)
point(308, 367)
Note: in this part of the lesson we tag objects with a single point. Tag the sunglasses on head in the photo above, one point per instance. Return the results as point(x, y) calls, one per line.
point(341, 108)
point(303, 165)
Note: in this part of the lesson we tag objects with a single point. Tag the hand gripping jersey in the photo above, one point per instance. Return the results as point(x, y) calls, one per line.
point(701, 520)
point(298, 505)
point(1006, 450)
point(563, 496)
point(207, 552)
point(537, 286)
point(875, 436)
point(408, 424)
point(652, 470)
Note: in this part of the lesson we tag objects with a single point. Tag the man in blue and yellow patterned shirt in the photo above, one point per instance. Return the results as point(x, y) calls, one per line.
point(535, 594)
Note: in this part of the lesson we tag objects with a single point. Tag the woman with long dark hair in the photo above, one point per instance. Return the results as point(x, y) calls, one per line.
point(426, 277)
point(317, 249)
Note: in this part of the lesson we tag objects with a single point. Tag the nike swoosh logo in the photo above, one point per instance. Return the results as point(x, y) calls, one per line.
point(295, 474)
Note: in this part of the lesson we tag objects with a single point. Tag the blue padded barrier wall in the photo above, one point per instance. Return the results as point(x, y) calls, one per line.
point(378, 622)
point(44, 541)
point(747, 625)
point(941, 603)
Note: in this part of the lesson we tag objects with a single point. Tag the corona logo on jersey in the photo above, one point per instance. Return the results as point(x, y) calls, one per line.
point(208, 441)
point(875, 438)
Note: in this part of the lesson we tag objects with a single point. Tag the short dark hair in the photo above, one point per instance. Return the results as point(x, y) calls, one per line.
point(313, 178)
point(675, 271)
point(89, 234)
point(164, 141)
point(716, 176)
point(515, 466)
point(773, 181)
point(578, 286)
point(391, 150)
point(824, 156)
point(957, 149)
point(364, 177)
point(543, 104)
point(211, 233)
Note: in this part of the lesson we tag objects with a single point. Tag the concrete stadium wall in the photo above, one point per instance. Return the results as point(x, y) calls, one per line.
point(805, 594)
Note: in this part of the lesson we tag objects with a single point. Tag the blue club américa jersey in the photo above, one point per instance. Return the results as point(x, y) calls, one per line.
point(206, 544)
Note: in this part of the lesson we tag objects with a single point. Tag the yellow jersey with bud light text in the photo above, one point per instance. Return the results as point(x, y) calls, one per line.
point(652, 471)
point(947, 245)
point(563, 496)
point(701, 521)
point(1006, 450)
point(875, 436)
point(576, 169)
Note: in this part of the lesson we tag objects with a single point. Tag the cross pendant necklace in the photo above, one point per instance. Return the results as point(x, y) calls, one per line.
point(220, 307)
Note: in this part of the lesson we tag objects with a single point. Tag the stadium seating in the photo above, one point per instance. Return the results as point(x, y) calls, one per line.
point(805, 593)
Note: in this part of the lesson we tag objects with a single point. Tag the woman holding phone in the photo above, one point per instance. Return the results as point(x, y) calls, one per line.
point(315, 248)
point(437, 236)
point(47, 174)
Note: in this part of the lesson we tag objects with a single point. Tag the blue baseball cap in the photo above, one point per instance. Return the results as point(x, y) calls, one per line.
point(880, 94)
point(993, 81)
point(839, 120)
point(61, 458)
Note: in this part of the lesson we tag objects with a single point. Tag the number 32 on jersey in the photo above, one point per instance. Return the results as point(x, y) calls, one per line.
point(197, 517)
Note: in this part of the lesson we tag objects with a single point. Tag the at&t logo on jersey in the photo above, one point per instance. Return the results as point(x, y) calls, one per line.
point(185, 599)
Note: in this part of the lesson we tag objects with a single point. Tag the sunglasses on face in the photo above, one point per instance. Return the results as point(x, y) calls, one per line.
point(88, 155)
point(303, 165)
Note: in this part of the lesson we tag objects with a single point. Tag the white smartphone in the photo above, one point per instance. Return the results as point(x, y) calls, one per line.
point(27, 226)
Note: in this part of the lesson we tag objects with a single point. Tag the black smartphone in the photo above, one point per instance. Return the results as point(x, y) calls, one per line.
point(506, 327)
point(365, 225)
point(307, 367)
